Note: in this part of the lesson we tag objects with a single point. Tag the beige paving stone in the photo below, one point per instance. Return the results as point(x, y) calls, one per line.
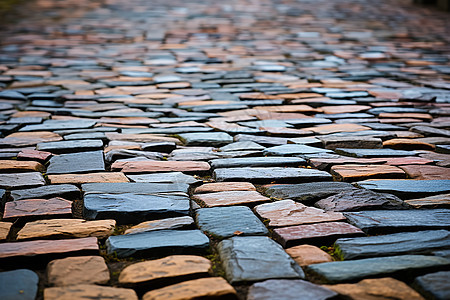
point(160, 166)
point(335, 128)
point(301, 108)
point(66, 228)
point(86, 291)
point(88, 178)
point(4, 230)
point(289, 213)
point(431, 201)
point(140, 138)
point(360, 172)
point(168, 270)
point(426, 172)
point(22, 139)
point(171, 223)
point(77, 270)
point(20, 166)
point(224, 187)
point(407, 144)
point(305, 255)
point(227, 198)
point(341, 109)
point(204, 288)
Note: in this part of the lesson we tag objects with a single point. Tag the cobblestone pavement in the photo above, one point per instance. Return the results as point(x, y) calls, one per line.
point(225, 149)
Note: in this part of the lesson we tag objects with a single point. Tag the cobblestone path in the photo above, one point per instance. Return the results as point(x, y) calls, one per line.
point(235, 149)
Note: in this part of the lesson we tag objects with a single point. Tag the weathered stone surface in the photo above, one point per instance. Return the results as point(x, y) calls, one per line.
point(158, 242)
point(20, 166)
point(257, 162)
point(70, 146)
point(165, 271)
point(18, 284)
point(35, 249)
point(66, 228)
point(171, 223)
point(255, 258)
point(333, 142)
point(360, 199)
point(204, 288)
point(293, 149)
point(427, 131)
point(230, 198)
point(399, 220)
point(376, 289)
point(160, 166)
point(334, 128)
point(394, 244)
point(351, 172)
point(434, 285)
point(81, 162)
point(289, 212)
point(270, 174)
point(169, 177)
point(345, 271)
point(23, 139)
point(438, 201)
point(314, 233)
point(407, 189)
point(224, 222)
point(407, 144)
point(88, 178)
point(225, 187)
point(66, 191)
point(206, 138)
point(426, 172)
point(140, 138)
point(242, 146)
point(59, 125)
point(374, 152)
point(142, 188)
point(288, 290)
point(4, 230)
point(134, 208)
point(307, 191)
point(37, 208)
point(88, 291)
point(77, 270)
point(305, 255)
point(21, 180)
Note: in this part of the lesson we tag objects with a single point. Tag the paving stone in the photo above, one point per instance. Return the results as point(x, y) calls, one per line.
point(134, 208)
point(132, 167)
point(29, 154)
point(18, 284)
point(51, 125)
point(82, 162)
point(360, 199)
point(209, 139)
point(288, 289)
point(21, 180)
point(333, 142)
point(66, 191)
point(227, 198)
point(35, 249)
point(88, 178)
point(23, 139)
point(419, 242)
point(185, 222)
point(263, 140)
point(407, 189)
point(289, 212)
point(427, 131)
point(165, 147)
point(224, 222)
point(255, 258)
point(374, 152)
point(434, 285)
point(242, 146)
point(157, 243)
point(86, 291)
point(293, 149)
point(351, 270)
point(20, 166)
point(77, 270)
point(224, 187)
point(426, 172)
point(334, 128)
point(66, 228)
point(37, 208)
point(275, 174)
point(4, 230)
point(257, 162)
point(408, 144)
point(208, 288)
point(140, 138)
point(307, 191)
point(70, 146)
point(142, 188)
point(351, 172)
point(305, 255)
point(169, 177)
point(438, 201)
point(165, 271)
point(376, 289)
point(399, 220)
point(315, 233)
point(408, 160)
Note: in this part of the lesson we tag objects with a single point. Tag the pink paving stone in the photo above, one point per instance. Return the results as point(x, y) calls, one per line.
point(37, 208)
point(289, 212)
point(334, 128)
point(224, 187)
point(228, 198)
point(325, 163)
point(160, 166)
point(41, 247)
point(320, 232)
point(88, 178)
point(29, 154)
point(426, 172)
point(339, 109)
point(407, 160)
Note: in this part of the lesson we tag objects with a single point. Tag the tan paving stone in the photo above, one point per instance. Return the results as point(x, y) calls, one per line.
point(361, 172)
point(431, 201)
point(86, 291)
point(305, 255)
point(20, 166)
point(335, 128)
point(224, 187)
point(22, 139)
point(140, 138)
point(4, 230)
point(407, 144)
point(88, 178)
point(227, 198)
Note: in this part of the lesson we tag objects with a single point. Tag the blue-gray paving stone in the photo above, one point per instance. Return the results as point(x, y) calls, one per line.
point(383, 126)
point(21, 284)
point(379, 110)
point(435, 285)
point(265, 123)
point(81, 162)
point(308, 122)
point(10, 94)
point(242, 146)
point(86, 136)
point(352, 270)
point(224, 222)
point(369, 153)
point(134, 208)
point(263, 140)
point(158, 243)
point(421, 242)
point(2, 194)
point(384, 135)
point(293, 149)
point(381, 221)
point(257, 162)
point(206, 139)
point(175, 179)
point(274, 174)
point(442, 253)
point(344, 116)
point(66, 191)
point(308, 191)
point(70, 146)
point(50, 125)
point(407, 188)
point(143, 188)
point(255, 258)
point(340, 95)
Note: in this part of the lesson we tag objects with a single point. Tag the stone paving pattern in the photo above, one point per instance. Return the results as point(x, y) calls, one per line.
point(225, 150)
